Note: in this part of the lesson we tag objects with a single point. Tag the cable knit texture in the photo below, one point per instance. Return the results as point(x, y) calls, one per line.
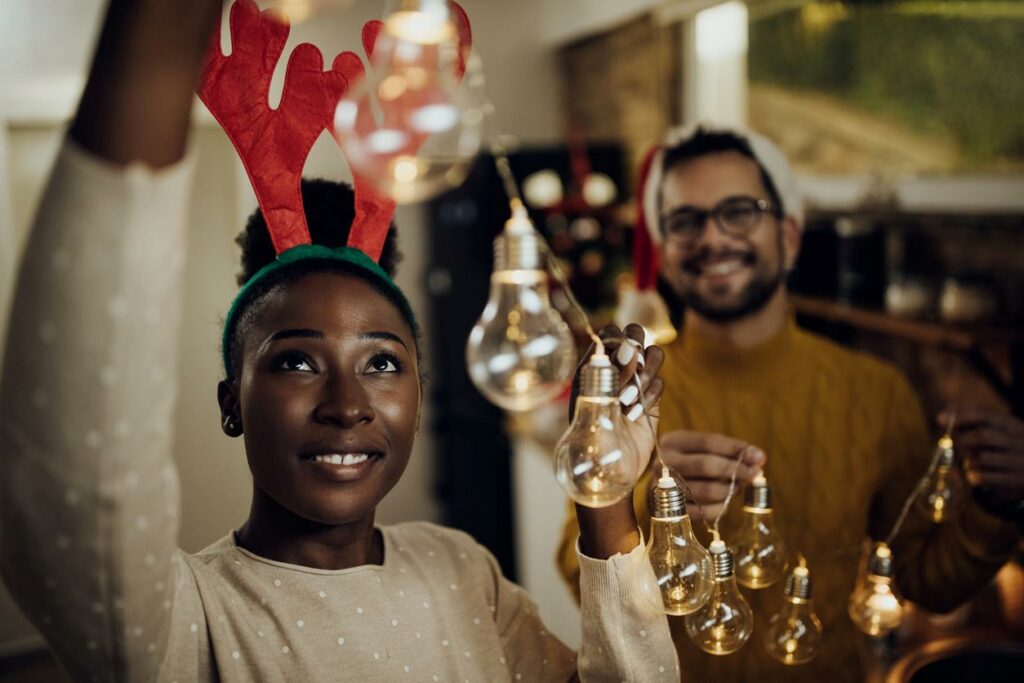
point(89, 500)
point(846, 442)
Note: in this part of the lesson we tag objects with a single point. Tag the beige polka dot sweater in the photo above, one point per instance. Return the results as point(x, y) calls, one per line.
point(90, 515)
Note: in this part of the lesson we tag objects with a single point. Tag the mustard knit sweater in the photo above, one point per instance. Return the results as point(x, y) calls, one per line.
point(846, 443)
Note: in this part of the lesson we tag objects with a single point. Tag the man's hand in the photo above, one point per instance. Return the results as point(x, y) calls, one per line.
point(993, 446)
point(707, 462)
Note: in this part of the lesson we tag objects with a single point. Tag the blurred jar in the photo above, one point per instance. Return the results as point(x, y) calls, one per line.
point(910, 297)
point(966, 300)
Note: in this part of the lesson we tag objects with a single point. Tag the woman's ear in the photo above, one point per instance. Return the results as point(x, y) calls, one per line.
point(230, 415)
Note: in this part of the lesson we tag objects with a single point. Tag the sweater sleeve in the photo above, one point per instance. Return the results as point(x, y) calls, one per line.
point(938, 565)
point(566, 557)
point(88, 491)
point(625, 632)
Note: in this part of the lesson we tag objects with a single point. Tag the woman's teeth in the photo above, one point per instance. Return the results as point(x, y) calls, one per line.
point(347, 459)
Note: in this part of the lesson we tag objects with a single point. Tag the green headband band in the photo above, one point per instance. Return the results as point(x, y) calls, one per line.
point(309, 253)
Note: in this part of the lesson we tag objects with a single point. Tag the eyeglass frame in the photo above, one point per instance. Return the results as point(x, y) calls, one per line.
point(762, 206)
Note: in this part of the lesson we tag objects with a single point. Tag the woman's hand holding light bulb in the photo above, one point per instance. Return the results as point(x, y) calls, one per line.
point(613, 529)
point(626, 349)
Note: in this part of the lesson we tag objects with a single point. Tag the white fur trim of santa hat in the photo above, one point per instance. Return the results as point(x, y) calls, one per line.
point(767, 153)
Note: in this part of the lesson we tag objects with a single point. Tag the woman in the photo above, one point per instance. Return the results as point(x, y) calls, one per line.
point(322, 382)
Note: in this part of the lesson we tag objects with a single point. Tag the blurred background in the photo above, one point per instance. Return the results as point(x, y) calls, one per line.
point(902, 119)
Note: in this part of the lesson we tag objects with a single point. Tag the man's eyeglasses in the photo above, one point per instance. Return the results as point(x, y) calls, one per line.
point(734, 216)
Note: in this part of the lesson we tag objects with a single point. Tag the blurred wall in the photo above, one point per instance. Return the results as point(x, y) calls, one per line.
point(40, 89)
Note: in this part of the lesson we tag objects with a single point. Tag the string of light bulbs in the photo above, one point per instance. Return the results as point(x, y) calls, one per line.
point(697, 583)
point(412, 126)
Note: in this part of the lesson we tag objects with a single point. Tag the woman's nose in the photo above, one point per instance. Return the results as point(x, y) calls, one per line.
point(345, 403)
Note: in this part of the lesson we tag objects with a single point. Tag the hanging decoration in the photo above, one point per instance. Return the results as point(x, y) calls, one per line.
point(414, 122)
point(725, 622)
point(794, 633)
point(760, 551)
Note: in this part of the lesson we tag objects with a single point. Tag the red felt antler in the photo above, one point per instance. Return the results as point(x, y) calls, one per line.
point(274, 143)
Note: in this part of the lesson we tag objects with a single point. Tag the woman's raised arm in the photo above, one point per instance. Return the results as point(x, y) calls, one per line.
point(88, 490)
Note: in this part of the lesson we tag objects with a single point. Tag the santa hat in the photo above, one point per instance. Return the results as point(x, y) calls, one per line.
point(643, 304)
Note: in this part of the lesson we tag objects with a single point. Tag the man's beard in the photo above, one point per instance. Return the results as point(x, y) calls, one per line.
point(754, 296)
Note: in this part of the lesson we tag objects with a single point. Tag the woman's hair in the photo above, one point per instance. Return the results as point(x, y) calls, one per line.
point(330, 210)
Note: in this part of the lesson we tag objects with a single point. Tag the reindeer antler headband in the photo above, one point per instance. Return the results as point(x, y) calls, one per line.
point(274, 143)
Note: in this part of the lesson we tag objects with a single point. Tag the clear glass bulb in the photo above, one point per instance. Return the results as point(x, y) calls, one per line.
point(297, 11)
point(944, 495)
point(726, 621)
point(595, 460)
point(875, 607)
point(794, 634)
point(521, 352)
point(760, 550)
point(682, 566)
point(414, 123)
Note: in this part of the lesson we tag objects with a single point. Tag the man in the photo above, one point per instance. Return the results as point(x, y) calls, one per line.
point(840, 435)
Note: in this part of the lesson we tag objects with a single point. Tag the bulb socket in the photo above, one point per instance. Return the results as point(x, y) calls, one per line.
point(947, 456)
point(669, 502)
point(723, 564)
point(517, 251)
point(881, 562)
point(597, 381)
point(758, 497)
point(798, 586)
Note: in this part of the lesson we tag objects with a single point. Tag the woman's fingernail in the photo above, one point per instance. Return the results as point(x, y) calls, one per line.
point(625, 354)
point(640, 359)
point(635, 412)
point(756, 456)
point(629, 395)
point(634, 342)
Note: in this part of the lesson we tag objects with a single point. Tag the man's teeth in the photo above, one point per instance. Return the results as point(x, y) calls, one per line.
point(723, 267)
point(338, 459)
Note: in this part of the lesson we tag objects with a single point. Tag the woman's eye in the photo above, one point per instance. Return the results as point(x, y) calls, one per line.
point(294, 362)
point(384, 363)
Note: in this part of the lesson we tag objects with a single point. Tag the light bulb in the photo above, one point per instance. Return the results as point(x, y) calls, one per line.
point(875, 607)
point(726, 621)
point(943, 495)
point(414, 123)
point(595, 460)
point(521, 352)
point(760, 551)
point(297, 11)
point(681, 565)
point(794, 634)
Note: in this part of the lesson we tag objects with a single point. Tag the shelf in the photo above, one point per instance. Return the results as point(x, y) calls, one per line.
point(963, 338)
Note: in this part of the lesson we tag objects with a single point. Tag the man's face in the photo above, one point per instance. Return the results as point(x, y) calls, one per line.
point(724, 277)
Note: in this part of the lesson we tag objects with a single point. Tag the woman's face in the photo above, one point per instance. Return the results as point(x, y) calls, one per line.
point(328, 395)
